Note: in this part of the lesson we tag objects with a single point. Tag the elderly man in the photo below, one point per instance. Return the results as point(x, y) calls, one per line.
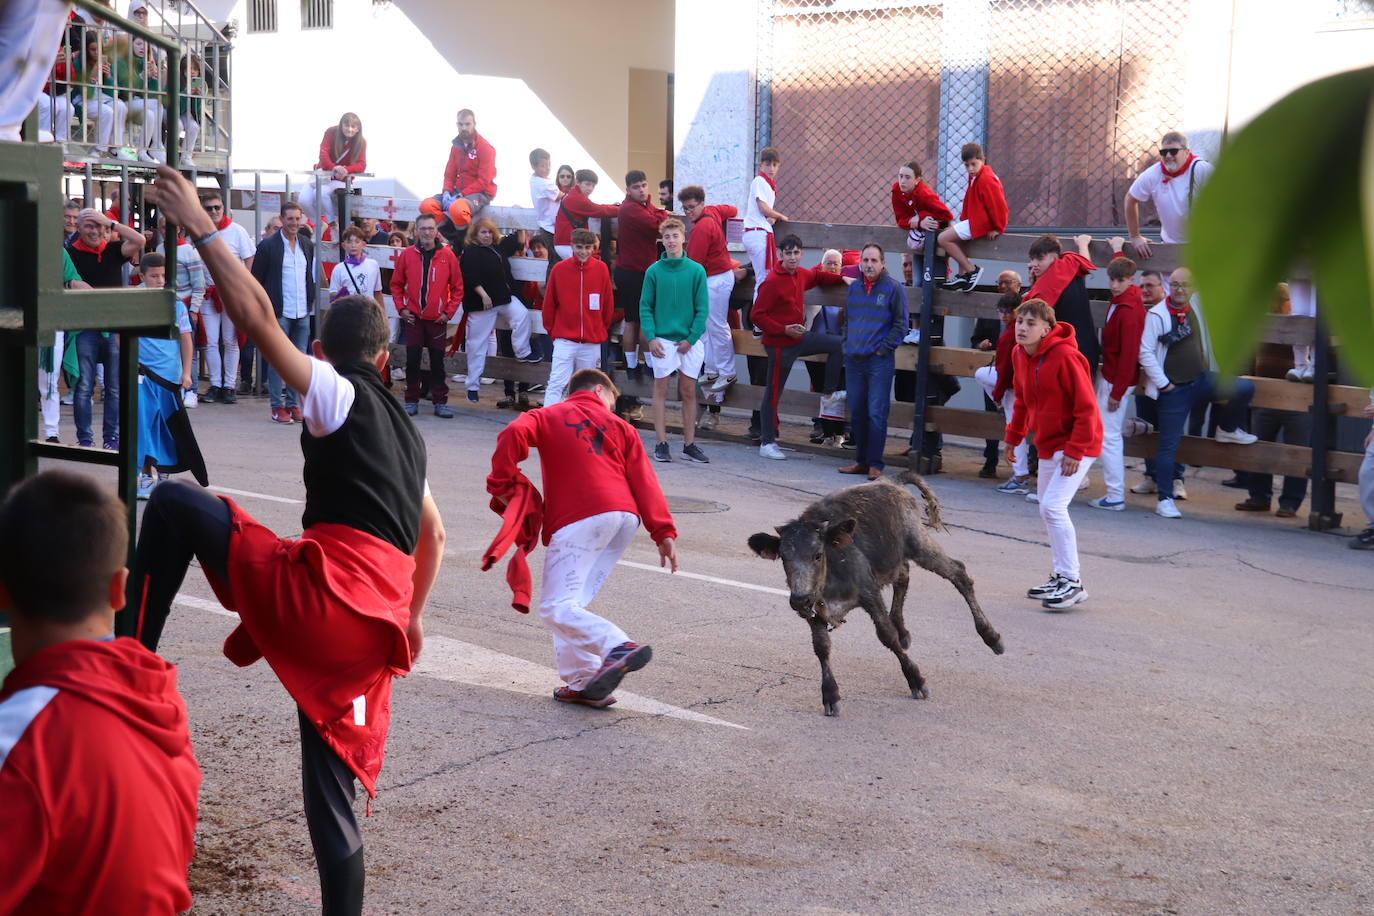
point(875, 323)
point(1171, 184)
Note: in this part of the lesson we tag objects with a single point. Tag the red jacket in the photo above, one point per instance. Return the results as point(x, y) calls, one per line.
point(471, 170)
point(579, 301)
point(1121, 341)
point(1006, 367)
point(637, 235)
point(577, 208)
point(706, 244)
point(443, 288)
point(326, 161)
point(985, 204)
point(521, 519)
point(1051, 284)
point(1055, 398)
point(99, 784)
point(592, 462)
point(779, 302)
point(921, 202)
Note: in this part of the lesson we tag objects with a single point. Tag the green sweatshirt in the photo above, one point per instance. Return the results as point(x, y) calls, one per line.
point(673, 305)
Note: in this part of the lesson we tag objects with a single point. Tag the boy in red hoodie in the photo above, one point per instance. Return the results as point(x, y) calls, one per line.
point(578, 305)
point(577, 210)
point(1054, 398)
point(598, 487)
point(1058, 277)
point(1120, 369)
point(983, 215)
point(95, 758)
point(706, 246)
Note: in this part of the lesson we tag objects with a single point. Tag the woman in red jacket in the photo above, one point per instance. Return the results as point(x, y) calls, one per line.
point(916, 208)
point(343, 152)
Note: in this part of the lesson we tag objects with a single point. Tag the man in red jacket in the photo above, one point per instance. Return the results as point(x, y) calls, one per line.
point(96, 771)
point(1120, 369)
point(706, 246)
point(576, 211)
point(470, 172)
point(1054, 399)
point(983, 215)
point(598, 487)
point(578, 305)
point(636, 248)
point(427, 287)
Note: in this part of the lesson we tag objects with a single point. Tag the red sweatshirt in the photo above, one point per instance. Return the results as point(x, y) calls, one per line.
point(326, 161)
point(985, 204)
point(779, 302)
point(573, 213)
point(706, 244)
point(637, 235)
point(1055, 398)
point(1051, 284)
point(592, 462)
point(1121, 341)
point(1006, 366)
point(471, 170)
point(442, 287)
point(578, 301)
point(920, 203)
point(99, 784)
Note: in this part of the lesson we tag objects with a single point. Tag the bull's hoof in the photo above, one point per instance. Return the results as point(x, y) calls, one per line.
point(993, 639)
point(832, 709)
point(906, 640)
point(833, 625)
point(920, 693)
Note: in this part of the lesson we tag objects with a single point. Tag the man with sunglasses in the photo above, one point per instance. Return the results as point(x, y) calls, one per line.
point(1171, 183)
point(219, 329)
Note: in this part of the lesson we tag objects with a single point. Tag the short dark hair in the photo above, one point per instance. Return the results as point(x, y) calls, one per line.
point(1121, 268)
point(1045, 244)
point(467, 111)
point(62, 537)
point(970, 151)
point(289, 205)
point(667, 183)
point(914, 166)
point(1008, 302)
point(692, 192)
point(633, 176)
point(208, 196)
point(583, 237)
point(150, 260)
point(790, 240)
point(769, 154)
point(582, 175)
point(354, 330)
point(71, 205)
point(538, 155)
point(422, 217)
point(353, 232)
point(868, 245)
point(1037, 308)
point(587, 379)
point(1153, 273)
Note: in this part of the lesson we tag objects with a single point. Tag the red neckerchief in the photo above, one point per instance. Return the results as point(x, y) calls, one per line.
point(224, 222)
point(99, 253)
point(868, 284)
point(1180, 314)
point(771, 183)
point(1181, 169)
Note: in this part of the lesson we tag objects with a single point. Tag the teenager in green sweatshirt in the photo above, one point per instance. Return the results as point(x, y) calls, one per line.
point(673, 309)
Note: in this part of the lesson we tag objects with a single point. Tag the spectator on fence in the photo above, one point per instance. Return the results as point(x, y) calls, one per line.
point(665, 194)
point(982, 215)
point(1170, 184)
point(545, 193)
point(577, 312)
point(759, 217)
point(576, 211)
point(101, 76)
point(147, 77)
point(1058, 278)
point(343, 152)
point(469, 179)
point(1175, 354)
point(706, 246)
point(1365, 539)
point(637, 248)
point(426, 287)
point(489, 294)
point(1120, 370)
point(1147, 408)
point(191, 106)
point(875, 322)
point(917, 209)
point(673, 311)
point(219, 329)
point(191, 282)
point(271, 227)
point(285, 268)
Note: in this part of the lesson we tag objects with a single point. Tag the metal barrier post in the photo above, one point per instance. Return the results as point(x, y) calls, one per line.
point(1323, 515)
point(918, 423)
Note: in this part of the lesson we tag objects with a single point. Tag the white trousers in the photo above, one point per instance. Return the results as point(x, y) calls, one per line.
point(147, 113)
point(756, 244)
point(1303, 297)
point(192, 127)
point(720, 348)
point(987, 377)
point(576, 563)
point(479, 336)
point(30, 34)
point(307, 200)
point(55, 116)
point(109, 115)
point(1055, 491)
point(568, 357)
point(220, 330)
point(1113, 461)
point(1367, 485)
point(48, 399)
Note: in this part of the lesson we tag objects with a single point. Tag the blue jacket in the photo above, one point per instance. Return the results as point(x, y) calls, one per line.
point(875, 320)
point(267, 268)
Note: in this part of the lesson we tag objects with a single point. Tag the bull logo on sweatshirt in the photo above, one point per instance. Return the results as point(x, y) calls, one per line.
point(590, 433)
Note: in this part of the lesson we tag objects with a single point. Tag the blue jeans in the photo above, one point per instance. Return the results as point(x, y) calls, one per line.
point(298, 330)
point(91, 348)
point(1174, 407)
point(868, 380)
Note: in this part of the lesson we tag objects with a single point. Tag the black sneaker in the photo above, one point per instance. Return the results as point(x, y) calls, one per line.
point(624, 658)
point(754, 435)
point(661, 452)
point(1363, 541)
point(1052, 585)
point(211, 395)
point(955, 282)
point(228, 396)
point(1070, 593)
point(972, 277)
point(693, 452)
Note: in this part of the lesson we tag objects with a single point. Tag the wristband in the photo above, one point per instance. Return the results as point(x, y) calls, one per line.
point(204, 239)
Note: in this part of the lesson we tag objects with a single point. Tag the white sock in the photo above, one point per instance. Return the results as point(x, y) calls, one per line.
point(631, 359)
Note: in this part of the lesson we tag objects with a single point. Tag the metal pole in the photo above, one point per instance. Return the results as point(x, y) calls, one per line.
point(257, 206)
point(129, 459)
point(918, 424)
point(1323, 515)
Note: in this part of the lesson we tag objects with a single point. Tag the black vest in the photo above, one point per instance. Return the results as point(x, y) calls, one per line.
point(368, 474)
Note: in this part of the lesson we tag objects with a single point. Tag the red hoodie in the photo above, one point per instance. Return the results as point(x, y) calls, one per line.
point(326, 161)
point(779, 302)
point(985, 204)
point(573, 213)
point(706, 244)
point(471, 170)
point(1051, 284)
point(98, 782)
point(443, 288)
point(1006, 367)
point(921, 202)
point(1054, 397)
point(1121, 341)
point(636, 233)
point(579, 302)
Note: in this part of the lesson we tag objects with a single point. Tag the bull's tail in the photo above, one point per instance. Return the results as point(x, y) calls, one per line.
point(932, 502)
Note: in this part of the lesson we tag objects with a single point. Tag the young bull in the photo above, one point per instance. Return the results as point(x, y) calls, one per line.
point(845, 548)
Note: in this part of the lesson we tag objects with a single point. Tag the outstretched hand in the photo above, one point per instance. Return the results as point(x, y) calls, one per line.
point(667, 553)
point(176, 199)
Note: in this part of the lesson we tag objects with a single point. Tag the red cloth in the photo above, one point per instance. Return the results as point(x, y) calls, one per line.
point(1121, 341)
point(521, 518)
point(1168, 175)
point(985, 204)
point(779, 302)
point(1055, 398)
point(329, 611)
point(568, 312)
point(706, 244)
point(99, 786)
point(580, 207)
point(445, 292)
point(471, 170)
point(358, 162)
point(1006, 367)
point(637, 234)
point(1051, 284)
point(920, 203)
point(592, 462)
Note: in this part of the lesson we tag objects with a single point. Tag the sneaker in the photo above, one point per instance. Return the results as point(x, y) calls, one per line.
point(1293, 375)
point(771, 450)
point(1103, 502)
point(912, 337)
point(412, 408)
point(1363, 541)
point(1308, 375)
point(536, 387)
point(1015, 485)
point(709, 420)
point(460, 378)
point(661, 452)
point(989, 470)
point(111, 444)
point(443, 411)
point(506, 403)
point(1050, 587)
point(1236, 436)
point(85, 443)
point(847, 441)
point(620, 661)
point(1180, 491)
point(66, 400)
point(1145, 486)
point(566, 694)
point(211, 395)
point(972, 277)
point(228, 396)
point(754, 435)
point(693, 452)
point(1032, 497)
point(295, 414)
point(279, 415)
point(725, 381)
point(145, 486)
point(1253, 505)
point(955, 282)
point(54, 440)
point(472, 396)
point(1165, 508)
point(189, 399)
point(710, 376)
point(532, 357)
point(1072, 593)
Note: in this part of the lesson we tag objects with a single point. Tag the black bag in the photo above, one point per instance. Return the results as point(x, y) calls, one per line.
point(189, 457)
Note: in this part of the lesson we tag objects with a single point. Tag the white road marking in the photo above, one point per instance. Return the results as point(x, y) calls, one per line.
point(690, 575)
point(202, 604)
point(252, 495)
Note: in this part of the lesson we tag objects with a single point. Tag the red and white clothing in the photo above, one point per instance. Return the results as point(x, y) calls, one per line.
point(219, 329)
point(578, 311)
point(471, 167)
point(758, 232)
point(985, 205)
point(353, 158)
point(920, 202)
point(1172, 194)
point(1120, 371)
point(706, 246)
point(428, 284)
point(575, 211)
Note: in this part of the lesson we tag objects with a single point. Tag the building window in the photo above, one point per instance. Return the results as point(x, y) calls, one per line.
point(317, 14)
point(262, 15)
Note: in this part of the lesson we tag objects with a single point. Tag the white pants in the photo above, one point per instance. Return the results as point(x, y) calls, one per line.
point(192, 127)
point(109, 115)
point(479, 336)
point(568, 357)
point(1113, 462)
point(576, 563)
point(48, 398)
point(1303, 297)
point(30, 34)
point(331, 209)
point(148, 113)
point(1055, 491)
point(55, 116)
point(987, 377)
point(756, 244)
point(219, 329)
point(720, 348)
point(1367, 485)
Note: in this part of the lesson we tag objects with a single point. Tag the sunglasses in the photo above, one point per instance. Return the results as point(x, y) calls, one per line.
point(211, 208)
point(1170, 151)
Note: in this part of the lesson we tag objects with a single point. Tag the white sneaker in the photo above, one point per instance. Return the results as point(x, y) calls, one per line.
point(189, 399)
point(1165, 508)
point(460, 378)
point(725, 381)
point(771, 450)
point(1032, 497)
point(1145, 486)
point(912, 337)
point(1103, 502)
point(1236, 436)
point(398, 374)
point(1293, 375)
point(145, 486)
point(710, 376)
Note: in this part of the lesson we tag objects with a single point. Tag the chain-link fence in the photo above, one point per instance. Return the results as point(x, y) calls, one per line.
point(1067, 97)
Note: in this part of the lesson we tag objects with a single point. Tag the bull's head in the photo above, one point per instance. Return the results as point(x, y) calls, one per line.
point(803, 545)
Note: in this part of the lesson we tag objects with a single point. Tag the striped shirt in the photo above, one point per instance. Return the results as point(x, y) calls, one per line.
point(875, 319)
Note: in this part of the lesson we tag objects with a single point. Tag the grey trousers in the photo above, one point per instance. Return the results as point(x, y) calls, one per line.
point(1367, 485)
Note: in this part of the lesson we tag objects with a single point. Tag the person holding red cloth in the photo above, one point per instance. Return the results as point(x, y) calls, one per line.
point(983, 215)
point(576, 211)
point(1058, 277)
point(336, 612)
point(917, 209)
point(1120, 369)
point(427, 287)
point(636, 248)
point(598, 487)
point(343, 152)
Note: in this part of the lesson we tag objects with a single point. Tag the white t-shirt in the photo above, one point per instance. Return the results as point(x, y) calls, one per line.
point(759, 189)
point(544, 193)
point(1171, 199)
point(365, 280)
point(239, 241)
